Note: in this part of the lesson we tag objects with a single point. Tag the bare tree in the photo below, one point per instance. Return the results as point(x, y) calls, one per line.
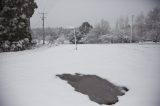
point(139, 27)
point(153, 25)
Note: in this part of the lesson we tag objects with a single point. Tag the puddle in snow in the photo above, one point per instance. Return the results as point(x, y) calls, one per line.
point(98, 89)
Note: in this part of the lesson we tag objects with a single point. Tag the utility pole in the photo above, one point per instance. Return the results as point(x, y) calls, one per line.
point(43, 18)
point(131, 28)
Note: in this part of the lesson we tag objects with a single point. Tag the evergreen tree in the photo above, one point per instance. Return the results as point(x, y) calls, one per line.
point(85, 28)
point(15, 21)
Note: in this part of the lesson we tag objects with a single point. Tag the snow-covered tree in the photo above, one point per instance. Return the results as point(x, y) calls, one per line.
point(15, 21)
point(102, 28)
point(140, 28)
point(153, 25)
point(122, 30)
point(78, 35)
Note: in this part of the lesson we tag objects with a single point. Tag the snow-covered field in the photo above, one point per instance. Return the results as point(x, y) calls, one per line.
point(27, 78)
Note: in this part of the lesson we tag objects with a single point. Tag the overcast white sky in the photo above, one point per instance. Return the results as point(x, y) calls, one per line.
point(67, 13)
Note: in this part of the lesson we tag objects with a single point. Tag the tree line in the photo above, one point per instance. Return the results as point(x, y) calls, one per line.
point(144, 28)
point(16, 34)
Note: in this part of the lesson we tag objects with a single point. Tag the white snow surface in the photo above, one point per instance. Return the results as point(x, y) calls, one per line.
point(28, 78)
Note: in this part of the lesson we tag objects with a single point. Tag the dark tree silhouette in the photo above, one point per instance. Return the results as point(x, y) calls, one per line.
point(85, 28)
point(15, 20)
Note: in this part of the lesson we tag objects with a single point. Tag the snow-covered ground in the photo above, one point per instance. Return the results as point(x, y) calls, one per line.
point(27, 78)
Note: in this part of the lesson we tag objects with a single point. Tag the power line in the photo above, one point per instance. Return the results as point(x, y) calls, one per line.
point(43, 19)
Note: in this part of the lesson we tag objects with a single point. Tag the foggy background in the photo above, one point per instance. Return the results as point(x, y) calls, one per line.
point(67, 13)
